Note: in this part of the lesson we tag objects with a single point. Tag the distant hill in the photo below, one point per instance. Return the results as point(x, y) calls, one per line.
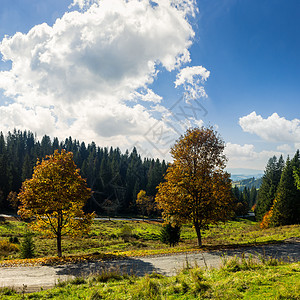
point(238, 174)
point(248, 182)
point(239, 177)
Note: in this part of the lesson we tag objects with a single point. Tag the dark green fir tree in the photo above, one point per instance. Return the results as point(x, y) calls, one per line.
point(267, 191)
point(286, 208)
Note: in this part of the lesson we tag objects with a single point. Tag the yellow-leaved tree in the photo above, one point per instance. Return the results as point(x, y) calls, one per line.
point(54, 197)
point(196, 188)
point(144, 203)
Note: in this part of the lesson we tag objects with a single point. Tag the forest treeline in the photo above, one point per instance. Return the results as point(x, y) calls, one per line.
point(114, 178)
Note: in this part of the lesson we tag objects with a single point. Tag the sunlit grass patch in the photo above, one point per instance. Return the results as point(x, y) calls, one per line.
point(142, 238)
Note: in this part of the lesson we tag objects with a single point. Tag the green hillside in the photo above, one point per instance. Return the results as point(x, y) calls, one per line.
point(249, 182)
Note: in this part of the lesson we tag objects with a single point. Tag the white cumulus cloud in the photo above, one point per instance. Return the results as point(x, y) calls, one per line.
point(192, 79)
point(273, 129)
point(75, 77)
point(247, 156)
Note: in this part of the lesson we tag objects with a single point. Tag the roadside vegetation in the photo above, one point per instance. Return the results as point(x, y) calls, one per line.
point(136, 238)
point(238, 278)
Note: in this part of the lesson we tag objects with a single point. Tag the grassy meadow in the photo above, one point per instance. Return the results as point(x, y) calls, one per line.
point(238, 278)
point(139, 238)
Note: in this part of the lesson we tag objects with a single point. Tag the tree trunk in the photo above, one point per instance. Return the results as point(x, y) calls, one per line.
point(198, 232)
point(58, 233)
point(58, 238)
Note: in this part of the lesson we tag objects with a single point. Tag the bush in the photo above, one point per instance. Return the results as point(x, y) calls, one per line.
point(6, 247)
point(27, 246)
point(14, 240)
point(170, 235)
point(7, 291)
point(126, 233)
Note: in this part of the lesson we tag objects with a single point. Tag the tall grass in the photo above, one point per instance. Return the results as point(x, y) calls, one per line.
point(238, 278)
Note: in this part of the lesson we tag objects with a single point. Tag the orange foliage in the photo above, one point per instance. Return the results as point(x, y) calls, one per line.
point(265, 223)
point(196, 189)
point(53, 199)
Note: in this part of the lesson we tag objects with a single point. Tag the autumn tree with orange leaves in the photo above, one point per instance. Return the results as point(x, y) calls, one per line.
point(53, 199)
point(196, 187)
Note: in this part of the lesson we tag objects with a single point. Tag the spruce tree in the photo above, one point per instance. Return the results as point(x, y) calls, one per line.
point(27, 168)
point(286, 209)
point(267, 191)
point(252, 196)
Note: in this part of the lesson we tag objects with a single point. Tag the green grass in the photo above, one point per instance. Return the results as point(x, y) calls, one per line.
point(142, 238)
point(237, 279)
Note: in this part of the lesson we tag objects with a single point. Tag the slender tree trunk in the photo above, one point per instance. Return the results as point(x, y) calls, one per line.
point(58, 238)
point(58, 234)
point(198, 232)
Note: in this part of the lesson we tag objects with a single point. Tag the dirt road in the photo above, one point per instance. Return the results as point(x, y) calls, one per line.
point(35, 278)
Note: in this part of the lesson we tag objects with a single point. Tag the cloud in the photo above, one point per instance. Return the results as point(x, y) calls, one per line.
point(284, 148)
point(189, 7)
point(192, 79)
point(76, 77)
point(147, 96)
point(272, 129)
point(297, 145)
point(39, 119)
point(247, 156)
point(83, 4)
point(112, 48)
point(188, 74)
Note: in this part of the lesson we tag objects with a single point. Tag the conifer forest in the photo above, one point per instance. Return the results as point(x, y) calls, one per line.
point(114, 177)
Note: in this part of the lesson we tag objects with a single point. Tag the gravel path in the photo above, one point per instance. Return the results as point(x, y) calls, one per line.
point(35, 278)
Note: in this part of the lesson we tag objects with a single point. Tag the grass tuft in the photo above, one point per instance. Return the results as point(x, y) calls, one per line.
point(96, 295)
point(7, 291)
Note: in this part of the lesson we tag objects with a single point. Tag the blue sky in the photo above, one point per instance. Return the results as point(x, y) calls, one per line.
point(138, 74)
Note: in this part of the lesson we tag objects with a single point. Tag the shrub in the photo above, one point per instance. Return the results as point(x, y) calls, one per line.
point(170, 235)
point(27, 246)
point(126, 233)
point(6, 247)
point(7, 291)
point(14, 240)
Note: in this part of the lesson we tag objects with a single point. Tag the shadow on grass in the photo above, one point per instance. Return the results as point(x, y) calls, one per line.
point(287, 252)
point(237, 246)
